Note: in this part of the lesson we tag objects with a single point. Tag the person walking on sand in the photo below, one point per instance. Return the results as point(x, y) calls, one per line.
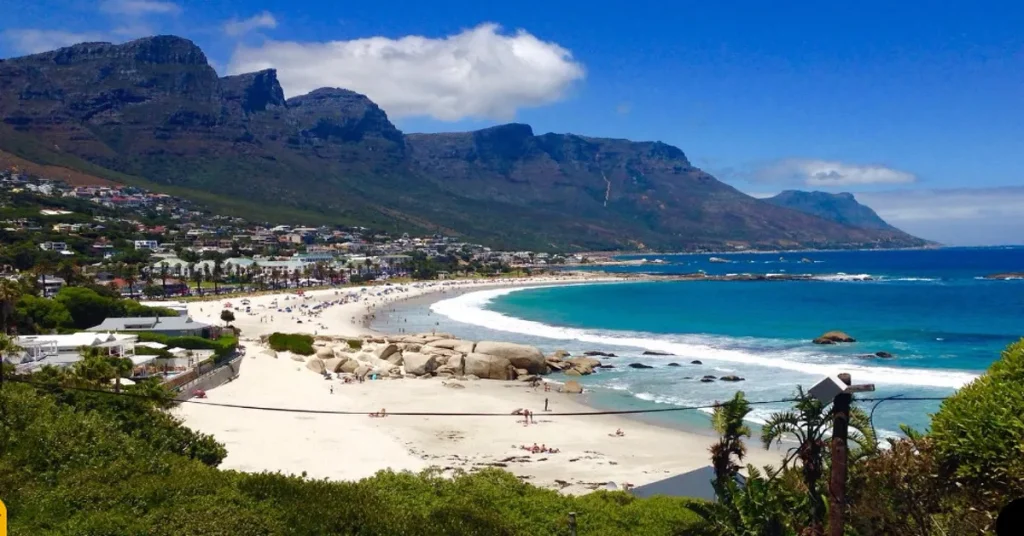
point(332, 388)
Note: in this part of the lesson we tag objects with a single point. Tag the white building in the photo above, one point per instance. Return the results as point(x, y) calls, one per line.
point(63, 350)
point(147, 244)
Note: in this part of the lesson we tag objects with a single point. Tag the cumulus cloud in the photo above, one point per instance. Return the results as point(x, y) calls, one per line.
point(136, 8)
point(32, 41)
point(479, 73)
point(962, 216)
point(831, 173)
point(240, 27)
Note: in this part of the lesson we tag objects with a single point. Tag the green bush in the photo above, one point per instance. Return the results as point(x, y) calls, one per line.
point(295, 343)
point(979, 431)
point(79, 465)
point(355, 344)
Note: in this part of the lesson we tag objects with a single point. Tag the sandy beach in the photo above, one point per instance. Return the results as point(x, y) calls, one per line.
point(346, 447)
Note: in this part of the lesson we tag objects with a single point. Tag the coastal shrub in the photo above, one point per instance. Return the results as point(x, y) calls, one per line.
point(355, 344)
point(295, 343)
point(79, 466)
point(979, 431)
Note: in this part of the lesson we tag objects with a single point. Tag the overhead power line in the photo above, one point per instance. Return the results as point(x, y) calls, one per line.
point(437, 414)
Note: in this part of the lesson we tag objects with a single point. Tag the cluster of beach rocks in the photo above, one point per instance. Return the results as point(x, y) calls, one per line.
point(439, 354)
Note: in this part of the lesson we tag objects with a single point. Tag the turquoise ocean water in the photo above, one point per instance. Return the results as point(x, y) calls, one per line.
point(932, 309)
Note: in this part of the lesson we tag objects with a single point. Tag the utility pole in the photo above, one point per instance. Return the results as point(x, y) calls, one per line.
point(840, 454)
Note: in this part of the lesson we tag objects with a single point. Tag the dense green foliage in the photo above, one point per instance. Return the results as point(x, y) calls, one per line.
point(978, 433)
point(295, 343)
point(74, 464)
point(953, 480)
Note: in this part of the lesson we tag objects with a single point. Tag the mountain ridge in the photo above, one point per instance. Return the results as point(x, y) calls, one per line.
point(154, 110)
point(841, 207)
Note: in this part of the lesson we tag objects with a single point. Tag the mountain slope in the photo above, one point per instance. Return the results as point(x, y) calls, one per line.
point(841, 208)
point(154, 111)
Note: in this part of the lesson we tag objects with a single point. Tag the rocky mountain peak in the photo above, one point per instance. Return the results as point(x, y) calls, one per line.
point(255, 92)
point(341, 114)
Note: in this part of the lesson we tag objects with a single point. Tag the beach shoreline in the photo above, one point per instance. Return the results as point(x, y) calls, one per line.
point(350, 447)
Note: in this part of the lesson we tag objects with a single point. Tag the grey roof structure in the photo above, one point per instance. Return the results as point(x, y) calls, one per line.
point(696, 484)
point(150, 323)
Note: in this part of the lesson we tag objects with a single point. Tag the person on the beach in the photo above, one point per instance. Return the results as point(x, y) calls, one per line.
point(332, 389)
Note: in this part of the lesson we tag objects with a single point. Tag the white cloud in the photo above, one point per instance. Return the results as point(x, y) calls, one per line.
point(32, 41)
point(478, 73)
point(831, 173)
point(236, 27)
point(136, 8)
point(965, 216)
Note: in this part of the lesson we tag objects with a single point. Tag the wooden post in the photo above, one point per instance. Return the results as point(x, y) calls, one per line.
point(572, 523)
point(837, 482)
point(840, 453)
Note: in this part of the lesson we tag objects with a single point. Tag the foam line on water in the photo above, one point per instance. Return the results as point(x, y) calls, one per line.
point(471, 309)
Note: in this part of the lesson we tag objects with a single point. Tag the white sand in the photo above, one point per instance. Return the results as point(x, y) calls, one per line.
point(346, 447)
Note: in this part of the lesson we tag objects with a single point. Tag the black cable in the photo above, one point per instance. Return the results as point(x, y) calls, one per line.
point(423, 413)
point(406, 413)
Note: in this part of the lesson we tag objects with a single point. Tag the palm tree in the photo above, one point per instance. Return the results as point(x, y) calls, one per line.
point(307, 272)
point(9, 295)
point(810, 423)
point(131, 277)
point(7, 347)
point(42, 267)
point(727, 420)
point(163, 277)
point(218, 272)
point(275, 274)
point(68, 271)
point(197, 276)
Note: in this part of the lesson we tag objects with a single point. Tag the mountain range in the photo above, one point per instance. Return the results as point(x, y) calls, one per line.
point(842, 208)
point(153, 112)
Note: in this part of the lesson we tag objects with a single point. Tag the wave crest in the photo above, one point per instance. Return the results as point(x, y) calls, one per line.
point(471, 309)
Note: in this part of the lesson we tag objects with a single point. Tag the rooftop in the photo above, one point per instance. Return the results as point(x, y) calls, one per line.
point(150, 323)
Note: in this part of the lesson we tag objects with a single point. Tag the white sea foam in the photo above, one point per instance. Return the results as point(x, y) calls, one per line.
point(470, 309)
point(845, 277)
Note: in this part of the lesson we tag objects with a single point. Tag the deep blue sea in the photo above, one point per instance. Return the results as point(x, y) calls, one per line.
point(932, 309)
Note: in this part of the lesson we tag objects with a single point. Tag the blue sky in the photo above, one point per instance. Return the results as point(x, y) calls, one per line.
point(917, 109)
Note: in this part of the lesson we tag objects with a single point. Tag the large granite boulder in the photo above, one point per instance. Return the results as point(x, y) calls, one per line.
point(441, 352)
point(362, 371)
point(572, 387)
point(396, 359)
point(454, 366)
point(833, 337)
point(560, 354)
point(466, 347)
point(584, 365)
point(350, 366)
point(325, 353)
point(299, 358)
point(418, 364)
point(488, 366)
point(334, 364)
point(385, 351)
point(520, 355)
point(316, 365)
